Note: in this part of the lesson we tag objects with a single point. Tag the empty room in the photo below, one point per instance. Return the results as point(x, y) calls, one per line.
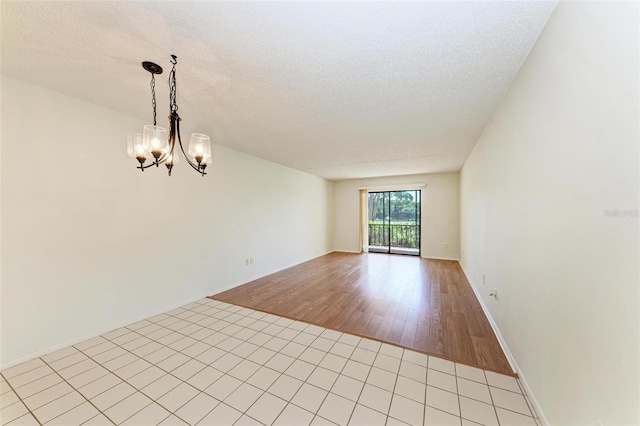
point(320, 213)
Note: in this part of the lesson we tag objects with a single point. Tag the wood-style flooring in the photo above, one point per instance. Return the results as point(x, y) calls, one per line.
point(421, 304)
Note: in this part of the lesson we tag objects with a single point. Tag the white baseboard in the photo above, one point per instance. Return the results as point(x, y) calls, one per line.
point(423, 257)
point(507, 352)
point(5, 365)
point(238, 284)
point(72, 342)
point(49, 350)
point(440, 258)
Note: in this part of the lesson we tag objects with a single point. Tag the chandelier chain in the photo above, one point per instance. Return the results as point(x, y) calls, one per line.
point(172, 86)
point(153, 96)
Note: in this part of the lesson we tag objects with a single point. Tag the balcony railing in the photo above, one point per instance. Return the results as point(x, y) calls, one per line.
point(406, 236)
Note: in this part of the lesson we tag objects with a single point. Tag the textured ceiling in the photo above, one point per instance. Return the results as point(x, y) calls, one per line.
point(338, 89)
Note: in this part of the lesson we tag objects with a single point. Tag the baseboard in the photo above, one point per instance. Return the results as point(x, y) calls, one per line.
point(72, 342)
point(238, 284)
point(37, 354)
point(512, 361)
point(494, 326)
point(440, 258)
point(40, 353)
point(423, 257)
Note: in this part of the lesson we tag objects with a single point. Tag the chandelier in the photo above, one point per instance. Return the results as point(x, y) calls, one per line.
point(153, 141)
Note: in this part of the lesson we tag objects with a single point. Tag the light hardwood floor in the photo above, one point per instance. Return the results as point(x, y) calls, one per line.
point(421, 304)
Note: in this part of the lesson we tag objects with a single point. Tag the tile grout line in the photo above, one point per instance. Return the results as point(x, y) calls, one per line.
point(244, 358)
point(303, 382)
point(20, 400)
point(245, 413)
point(113, 372)
point(526, 398)
point(298, 332)
point(317, 365)
point(103, 412)
point(506, 390)
point(363, 384)
point(181, 315)
point(228, 352)
point(495, 409)
point(32, 381)
point(76, 390)
point(100, 364)
point(171, 413)
point(455, 370)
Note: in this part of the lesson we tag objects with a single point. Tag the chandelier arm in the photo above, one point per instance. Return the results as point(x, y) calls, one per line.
point(161, 159)
point(141, 167)
point(170, 154)
point(193, 165)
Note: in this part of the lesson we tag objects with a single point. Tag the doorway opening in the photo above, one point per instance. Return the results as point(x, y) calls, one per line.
point(394, 222)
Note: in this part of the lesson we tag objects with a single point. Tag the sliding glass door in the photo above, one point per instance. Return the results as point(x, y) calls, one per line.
point(394, 222)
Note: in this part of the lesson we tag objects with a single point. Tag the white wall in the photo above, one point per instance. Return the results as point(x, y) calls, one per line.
point(440, 212)
point(89, 243)
point(559, 153)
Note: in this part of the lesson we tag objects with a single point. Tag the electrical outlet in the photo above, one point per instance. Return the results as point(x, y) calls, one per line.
point(494, 294)
point(446, 245)
point(484, 279)
point(251, 261)
point(246, 261)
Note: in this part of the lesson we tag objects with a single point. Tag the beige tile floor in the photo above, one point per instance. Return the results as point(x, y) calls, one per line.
point(212, 363)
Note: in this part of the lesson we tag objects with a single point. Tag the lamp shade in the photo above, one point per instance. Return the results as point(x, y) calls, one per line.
point(136, 146)
point(155, 138)
point(200, 148)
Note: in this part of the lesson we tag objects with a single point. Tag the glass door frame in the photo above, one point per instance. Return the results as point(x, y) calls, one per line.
point(388, 233)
